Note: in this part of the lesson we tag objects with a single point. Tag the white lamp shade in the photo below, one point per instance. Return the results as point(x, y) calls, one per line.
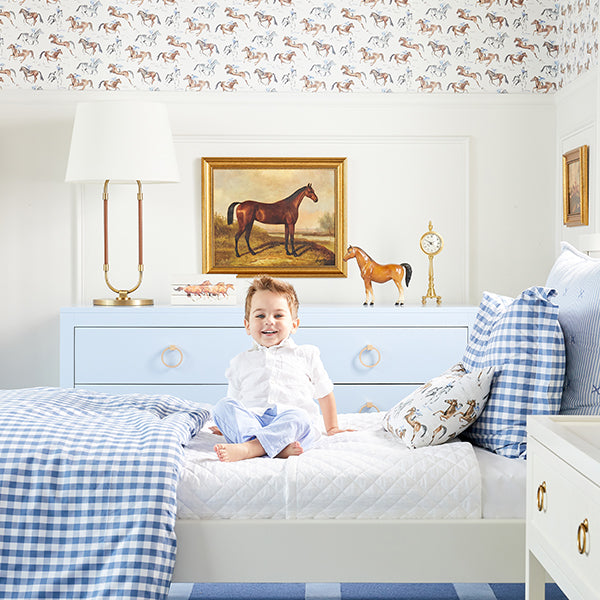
point(123, 142)
point(589, 242)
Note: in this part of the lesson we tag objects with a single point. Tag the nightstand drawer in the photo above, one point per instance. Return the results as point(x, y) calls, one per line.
point(565, 512)
point(155, 355)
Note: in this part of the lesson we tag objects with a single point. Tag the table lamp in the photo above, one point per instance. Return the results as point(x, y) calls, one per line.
point(122, 142)
point(589, 242)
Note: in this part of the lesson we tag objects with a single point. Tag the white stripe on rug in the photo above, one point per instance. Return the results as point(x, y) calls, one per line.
point(180, 591)
point(473, 591)
point(322, 591)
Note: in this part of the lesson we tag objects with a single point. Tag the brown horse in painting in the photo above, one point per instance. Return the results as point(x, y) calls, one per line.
point(371, 271)
point(284, 212)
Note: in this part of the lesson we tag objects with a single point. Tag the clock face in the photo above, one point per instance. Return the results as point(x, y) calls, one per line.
point(431, 243)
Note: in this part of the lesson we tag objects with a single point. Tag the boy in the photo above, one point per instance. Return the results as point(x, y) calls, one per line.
point(270, 406)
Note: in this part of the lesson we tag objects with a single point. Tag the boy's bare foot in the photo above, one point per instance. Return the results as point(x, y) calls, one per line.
point(230, 452)
point(214, 429)
point(293, 449)
point(235, 452)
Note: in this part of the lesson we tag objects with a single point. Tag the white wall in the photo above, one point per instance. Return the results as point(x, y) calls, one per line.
point(577, 117)
point(488, 165)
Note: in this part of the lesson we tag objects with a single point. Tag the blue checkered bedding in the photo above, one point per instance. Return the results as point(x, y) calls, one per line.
point(88, 488)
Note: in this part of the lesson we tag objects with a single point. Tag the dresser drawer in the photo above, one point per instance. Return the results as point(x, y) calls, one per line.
point(353, 398)
point(558, 513)
point(155, 355)
point(183, 355)
point(410, 355)
point(349, 398)
point(202, 394)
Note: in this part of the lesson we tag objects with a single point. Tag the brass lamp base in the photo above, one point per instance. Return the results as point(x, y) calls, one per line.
point(123, 302)
point(123, 298)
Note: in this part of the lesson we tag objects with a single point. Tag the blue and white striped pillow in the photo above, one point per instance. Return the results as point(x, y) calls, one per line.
point(522, 338)
point(576, 277)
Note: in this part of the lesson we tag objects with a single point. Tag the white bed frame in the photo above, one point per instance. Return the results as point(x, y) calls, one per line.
point(116, 351)
point(347, 551)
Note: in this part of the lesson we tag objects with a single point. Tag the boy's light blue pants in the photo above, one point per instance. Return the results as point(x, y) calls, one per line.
point(274, 430)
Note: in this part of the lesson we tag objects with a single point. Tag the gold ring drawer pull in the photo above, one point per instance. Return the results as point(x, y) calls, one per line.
point(541, 496)
point(369, 348)
point(582, 532)
point(171, 349)
point(368, 405)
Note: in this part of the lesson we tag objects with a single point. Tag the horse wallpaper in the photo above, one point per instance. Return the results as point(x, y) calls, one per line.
point(515, 46)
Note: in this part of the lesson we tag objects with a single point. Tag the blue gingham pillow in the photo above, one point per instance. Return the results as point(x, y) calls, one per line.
point(522, 338)
point(576, 278)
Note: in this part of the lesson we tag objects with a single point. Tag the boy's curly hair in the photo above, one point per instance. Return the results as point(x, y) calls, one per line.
point(277, 286)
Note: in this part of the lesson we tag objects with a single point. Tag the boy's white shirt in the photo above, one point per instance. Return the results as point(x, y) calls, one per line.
point(282, 376)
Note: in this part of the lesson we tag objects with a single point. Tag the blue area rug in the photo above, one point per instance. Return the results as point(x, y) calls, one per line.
point(364, 591)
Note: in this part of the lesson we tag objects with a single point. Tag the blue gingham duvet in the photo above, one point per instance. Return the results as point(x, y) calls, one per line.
point(88, 488)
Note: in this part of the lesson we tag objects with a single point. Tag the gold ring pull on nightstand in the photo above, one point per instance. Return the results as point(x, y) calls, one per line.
point(369, 348)
point(582, 532)
point(171, 349)
point(367, 405)
point(541, 496)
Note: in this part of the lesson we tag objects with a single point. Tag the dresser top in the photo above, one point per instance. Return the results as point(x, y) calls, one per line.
point(310, 315)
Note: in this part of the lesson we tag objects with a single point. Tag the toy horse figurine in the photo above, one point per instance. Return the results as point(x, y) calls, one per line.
point(371, 271)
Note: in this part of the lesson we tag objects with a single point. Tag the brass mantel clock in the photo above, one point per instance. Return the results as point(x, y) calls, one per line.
point(431, 243)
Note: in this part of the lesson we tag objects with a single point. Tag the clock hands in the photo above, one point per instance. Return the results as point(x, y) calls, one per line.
point(431, 245)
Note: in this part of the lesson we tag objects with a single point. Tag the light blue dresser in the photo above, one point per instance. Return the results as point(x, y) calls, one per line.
point(374, 355)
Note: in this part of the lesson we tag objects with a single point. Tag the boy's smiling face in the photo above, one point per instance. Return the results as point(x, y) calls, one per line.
point(270, 320)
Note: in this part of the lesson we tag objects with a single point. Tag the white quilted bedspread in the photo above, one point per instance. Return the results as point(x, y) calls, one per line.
point(366, 474)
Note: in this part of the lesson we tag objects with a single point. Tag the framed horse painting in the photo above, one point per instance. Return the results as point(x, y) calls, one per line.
point(575, 187)
point(280, 216)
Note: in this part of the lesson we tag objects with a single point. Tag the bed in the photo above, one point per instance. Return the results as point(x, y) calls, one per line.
point(97, 490)
point(357, 508)
point(117, 352)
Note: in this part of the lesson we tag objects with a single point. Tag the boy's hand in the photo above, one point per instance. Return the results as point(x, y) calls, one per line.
point(336, 429)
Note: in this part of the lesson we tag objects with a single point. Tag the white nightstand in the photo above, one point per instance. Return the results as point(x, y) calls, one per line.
point(563, 505)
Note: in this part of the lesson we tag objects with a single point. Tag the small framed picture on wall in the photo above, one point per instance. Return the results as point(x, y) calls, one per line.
point(575, 187)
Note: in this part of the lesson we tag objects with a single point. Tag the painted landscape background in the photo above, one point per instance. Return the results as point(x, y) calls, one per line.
point(315, 228)
point(312, 250)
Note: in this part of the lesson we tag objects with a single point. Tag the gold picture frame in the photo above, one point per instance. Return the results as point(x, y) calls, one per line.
point(575, 187)
point(247, 229)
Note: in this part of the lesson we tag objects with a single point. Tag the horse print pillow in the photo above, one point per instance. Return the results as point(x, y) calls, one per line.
point(440, 409)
